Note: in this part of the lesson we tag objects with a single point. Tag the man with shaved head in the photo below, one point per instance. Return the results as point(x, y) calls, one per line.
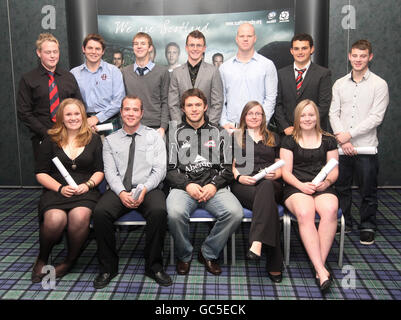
point(247, 76)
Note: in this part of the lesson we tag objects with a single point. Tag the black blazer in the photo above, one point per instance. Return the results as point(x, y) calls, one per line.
point(316, 87)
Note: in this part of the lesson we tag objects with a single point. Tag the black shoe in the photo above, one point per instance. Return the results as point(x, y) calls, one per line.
point(367, 238)
point(102, 280)
point(275, 278)
point(252, 256)
point(211, 265)
point(160, 277)
point(36, 276)
point(325, 285)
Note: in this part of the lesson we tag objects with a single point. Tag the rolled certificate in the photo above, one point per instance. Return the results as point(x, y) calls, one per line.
point(325, 171)
point(64, 172)
point(104, 127)
point(269, 169)
point(360, 150)
point(136, 192)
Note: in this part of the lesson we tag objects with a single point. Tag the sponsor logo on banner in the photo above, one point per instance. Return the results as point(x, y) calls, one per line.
point(271, 17)
point(284, 16)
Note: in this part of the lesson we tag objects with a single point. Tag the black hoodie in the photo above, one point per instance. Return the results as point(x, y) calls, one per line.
point(200, 156)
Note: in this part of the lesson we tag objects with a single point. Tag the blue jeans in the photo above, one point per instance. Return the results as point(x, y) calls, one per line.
point(366, 168)
point(224, 206)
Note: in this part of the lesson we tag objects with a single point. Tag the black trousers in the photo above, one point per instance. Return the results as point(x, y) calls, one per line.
point(366, 168)
point(109, 209)
point(262, 199)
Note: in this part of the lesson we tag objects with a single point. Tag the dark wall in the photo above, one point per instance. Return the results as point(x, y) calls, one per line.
point(22, 20)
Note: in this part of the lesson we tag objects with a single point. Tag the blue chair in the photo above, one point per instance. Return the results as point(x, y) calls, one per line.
point(131, 218)
point(287, 233)
point(199, 215)
point(248, 218)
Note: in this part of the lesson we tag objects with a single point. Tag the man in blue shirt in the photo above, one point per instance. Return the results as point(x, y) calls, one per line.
point(101, 83)
point(247, 76)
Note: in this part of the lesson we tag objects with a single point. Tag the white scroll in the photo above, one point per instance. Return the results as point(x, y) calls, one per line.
point(64, 172)
point(136, 192)
point(325, 171)
point(360, 150)
point(104, 127)
point(269, 169)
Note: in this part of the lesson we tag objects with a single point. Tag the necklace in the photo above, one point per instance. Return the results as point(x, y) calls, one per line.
point(73, 165)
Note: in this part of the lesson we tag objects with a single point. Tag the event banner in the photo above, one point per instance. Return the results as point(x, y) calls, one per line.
point(271, 26)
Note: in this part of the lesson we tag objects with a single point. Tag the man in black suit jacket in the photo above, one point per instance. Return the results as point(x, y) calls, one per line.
point(311, 82)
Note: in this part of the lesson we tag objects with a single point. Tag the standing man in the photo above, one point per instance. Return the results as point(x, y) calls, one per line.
point(247, 76)
point(42, 89)
point(358, 106)
point(149, 82)
point(299, 81)
point(198, 173)
point(118, 59)
point(133, 155)
point(101, 83)
point(196, 73)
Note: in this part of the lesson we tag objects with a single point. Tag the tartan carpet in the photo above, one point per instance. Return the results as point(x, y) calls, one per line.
point(369, 272)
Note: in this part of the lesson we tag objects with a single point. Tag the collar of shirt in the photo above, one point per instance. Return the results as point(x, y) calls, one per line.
point(306, 67)
point(365, 76)
point(194, 68)
point(139, 131)
point(150, 66)
point(43, 70)
point(254, 57)
point(101, 67)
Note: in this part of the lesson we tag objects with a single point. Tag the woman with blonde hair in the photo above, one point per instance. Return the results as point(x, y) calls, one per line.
point(61, 205)
point(305, 153)
point(256, 148)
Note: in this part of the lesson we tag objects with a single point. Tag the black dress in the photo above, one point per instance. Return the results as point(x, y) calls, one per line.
point(88, 162)
point(262, 199)
point(307, 163)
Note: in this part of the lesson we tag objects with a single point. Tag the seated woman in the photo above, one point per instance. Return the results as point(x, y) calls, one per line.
point(305, 153)
point(259, 196)
point(61, 205)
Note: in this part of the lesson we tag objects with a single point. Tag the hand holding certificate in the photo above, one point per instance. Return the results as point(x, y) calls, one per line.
point(269, 169)
point(64, 172)
point(360, 150)
point(325, 171)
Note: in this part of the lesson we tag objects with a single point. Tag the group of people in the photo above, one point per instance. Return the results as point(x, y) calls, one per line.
point(172, 54)
point(196, 137)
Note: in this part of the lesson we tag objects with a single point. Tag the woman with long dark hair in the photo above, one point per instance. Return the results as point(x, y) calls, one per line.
point(256, 148)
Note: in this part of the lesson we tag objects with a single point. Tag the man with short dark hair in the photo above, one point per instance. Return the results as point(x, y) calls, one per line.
point(134, 157)
point(360, 100)
point(172, 53)
point(299, 81)
point(118, 59)
point(150, 82)
point(196, 73)
point(100, 82)
point(37, 98)
point(198, 173)
point(217, 59)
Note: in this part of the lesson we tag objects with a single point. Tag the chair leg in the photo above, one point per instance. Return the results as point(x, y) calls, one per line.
point(171, 250)
point(225, 254)
point(233, 258)
point(287, 238)
point(118, 237)
point(342, 236)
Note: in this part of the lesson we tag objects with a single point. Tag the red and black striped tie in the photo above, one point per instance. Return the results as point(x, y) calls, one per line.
point(53, 97)
point(299, 79)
